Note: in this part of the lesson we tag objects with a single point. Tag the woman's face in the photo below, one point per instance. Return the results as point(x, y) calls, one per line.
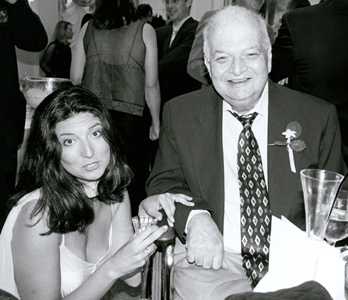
point(69, 33)
point(85, 153)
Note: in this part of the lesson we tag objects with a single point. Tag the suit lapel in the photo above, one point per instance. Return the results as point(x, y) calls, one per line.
point(166, 41)
point(178, 34)
point(282, 181)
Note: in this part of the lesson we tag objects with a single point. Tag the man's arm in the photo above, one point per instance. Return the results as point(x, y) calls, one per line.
point(204, 241)
point(26, 29)
point(330, 147)
point(282, 53)
point(168, 176)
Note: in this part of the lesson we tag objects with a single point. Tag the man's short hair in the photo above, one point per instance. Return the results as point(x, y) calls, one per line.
point(237, 14)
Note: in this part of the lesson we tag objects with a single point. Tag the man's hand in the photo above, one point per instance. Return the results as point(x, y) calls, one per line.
point(204, 243)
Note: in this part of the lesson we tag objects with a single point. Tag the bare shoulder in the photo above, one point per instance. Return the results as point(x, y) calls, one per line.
point(29, 227)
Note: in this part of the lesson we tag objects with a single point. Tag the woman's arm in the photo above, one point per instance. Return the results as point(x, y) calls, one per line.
point(46, 58)
point(37, 258)
point(123, 223)
point(152, 89)
point(78, 59)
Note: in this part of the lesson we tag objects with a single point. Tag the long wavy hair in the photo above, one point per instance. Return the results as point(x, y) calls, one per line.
point(111, 14)
point(63, 196)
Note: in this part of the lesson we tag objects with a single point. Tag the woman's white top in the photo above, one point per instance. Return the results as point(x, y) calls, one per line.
point(74, 270)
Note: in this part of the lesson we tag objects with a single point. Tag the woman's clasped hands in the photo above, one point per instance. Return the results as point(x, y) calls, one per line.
point(134, 254)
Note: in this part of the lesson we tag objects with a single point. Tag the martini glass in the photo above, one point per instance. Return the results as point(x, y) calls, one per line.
point(140, 223)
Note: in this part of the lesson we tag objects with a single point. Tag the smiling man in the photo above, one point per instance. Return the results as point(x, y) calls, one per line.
point(217, 146)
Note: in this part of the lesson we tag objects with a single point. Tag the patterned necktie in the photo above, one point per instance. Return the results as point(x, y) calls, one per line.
point(254, 204)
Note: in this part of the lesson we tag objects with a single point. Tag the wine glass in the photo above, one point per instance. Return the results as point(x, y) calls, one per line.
point(337, 228)
point(140, 223)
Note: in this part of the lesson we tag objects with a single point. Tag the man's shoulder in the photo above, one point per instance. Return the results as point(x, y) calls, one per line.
point(193, 103)
point(302, 101)
point(304, 14)
point(190, 23)
point(198, 97)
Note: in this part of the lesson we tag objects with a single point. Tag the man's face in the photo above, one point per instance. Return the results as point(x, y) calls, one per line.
point(254, 5)
point(177, 10)
point(237, 64)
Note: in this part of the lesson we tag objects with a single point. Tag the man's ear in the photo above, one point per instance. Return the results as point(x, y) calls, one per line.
point(207, 64)
point(269, 59)
point(188, 3)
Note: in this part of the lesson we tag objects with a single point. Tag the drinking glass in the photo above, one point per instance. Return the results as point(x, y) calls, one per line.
point(337, 228)
point(319, 190)
point(140, 223)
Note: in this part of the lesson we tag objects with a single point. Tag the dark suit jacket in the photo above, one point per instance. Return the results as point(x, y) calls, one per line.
point(172, 62)
point(23, 29)
point(311, 49)
point(190, 157)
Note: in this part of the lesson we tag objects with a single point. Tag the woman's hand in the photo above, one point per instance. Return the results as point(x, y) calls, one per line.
point(153, 204)
point(134, 254)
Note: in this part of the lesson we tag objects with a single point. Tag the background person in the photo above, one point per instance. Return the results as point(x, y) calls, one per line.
point(174, 46)
point(144, 13)
point(116, 58)
point(56, 60)
point(69, 233)
point(198, 156)
point(22, 28)
point(302, 30)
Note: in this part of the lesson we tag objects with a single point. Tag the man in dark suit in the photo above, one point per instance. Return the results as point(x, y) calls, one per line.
point(174, 46)
point(20, 27)
point(198, 150)
point(311, 51)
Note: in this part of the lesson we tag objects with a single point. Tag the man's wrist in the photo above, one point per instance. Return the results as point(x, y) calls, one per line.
point(192, 214)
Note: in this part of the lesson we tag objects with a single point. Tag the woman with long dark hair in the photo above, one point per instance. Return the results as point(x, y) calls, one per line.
point(116, 58)
point(69, 234)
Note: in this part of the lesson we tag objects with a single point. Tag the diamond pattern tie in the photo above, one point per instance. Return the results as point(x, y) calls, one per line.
point(254, 204)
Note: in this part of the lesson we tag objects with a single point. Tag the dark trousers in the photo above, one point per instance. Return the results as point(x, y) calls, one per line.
point(134, 131)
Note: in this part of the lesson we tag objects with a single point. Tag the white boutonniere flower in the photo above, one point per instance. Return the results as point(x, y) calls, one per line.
point(293, 131)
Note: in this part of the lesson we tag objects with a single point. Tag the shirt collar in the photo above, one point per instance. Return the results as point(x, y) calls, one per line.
point(261, 106)
point(178, 26)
